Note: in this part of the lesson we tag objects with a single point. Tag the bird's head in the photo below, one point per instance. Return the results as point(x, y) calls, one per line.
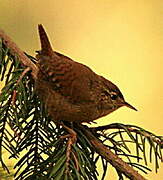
point(112, 96)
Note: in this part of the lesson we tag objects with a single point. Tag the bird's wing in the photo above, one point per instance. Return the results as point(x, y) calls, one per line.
point(65, 76)
point(73, 80)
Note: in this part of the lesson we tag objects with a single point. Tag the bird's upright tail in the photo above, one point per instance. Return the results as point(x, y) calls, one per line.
point(46, 48)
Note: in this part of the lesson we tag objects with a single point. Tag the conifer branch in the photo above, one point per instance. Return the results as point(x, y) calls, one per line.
point(15, 50)
point(131, 128)
point(113, 159)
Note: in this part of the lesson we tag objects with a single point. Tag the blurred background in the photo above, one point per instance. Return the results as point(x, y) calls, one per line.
point(121, 40)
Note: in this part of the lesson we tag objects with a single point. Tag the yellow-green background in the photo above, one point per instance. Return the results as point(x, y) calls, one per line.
point(119, 39)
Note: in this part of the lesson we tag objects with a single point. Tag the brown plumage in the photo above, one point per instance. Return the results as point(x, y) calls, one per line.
point(70, 90)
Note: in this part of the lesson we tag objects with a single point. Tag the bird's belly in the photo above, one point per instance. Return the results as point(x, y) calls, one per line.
point(59, 107)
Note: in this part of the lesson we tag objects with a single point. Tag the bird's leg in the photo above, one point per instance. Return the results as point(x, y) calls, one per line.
point(72, 134)
point(71, 140)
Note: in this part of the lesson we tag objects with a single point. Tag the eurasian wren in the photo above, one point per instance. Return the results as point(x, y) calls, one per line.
point(70, 90)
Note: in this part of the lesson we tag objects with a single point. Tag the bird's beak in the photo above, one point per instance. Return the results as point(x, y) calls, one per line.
point(130, 106)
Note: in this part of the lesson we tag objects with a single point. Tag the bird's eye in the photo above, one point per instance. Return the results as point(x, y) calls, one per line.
point(113, 96)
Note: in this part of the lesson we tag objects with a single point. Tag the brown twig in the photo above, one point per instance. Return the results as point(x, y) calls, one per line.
point(17, 83)
point(113, 159)
point(15, 50)
point(76, 160)
point(71, 140)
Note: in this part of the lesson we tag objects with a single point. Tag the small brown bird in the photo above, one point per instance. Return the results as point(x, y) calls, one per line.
point(70, 90)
